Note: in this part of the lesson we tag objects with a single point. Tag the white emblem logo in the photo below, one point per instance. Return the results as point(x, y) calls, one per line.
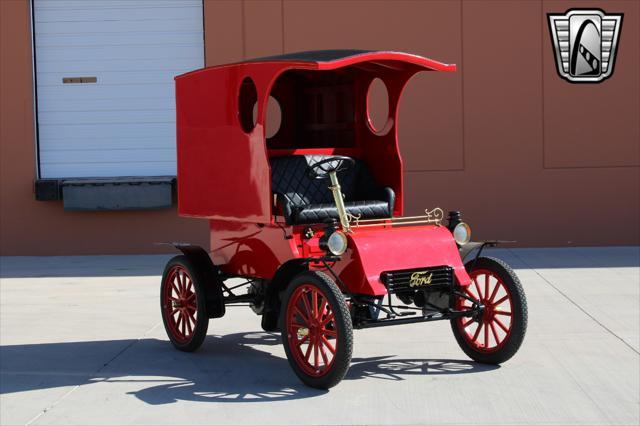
point(585, 43)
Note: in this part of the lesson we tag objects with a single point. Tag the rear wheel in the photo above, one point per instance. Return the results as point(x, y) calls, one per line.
point(316, 330)
point(495, 335)
point(183, 304)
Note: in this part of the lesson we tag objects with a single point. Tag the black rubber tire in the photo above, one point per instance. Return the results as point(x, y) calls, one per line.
point(344, 349)
point(202, 324)
point(519, 306)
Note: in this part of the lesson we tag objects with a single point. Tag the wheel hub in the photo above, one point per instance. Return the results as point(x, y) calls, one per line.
point(490, 312)
point(487, 311)
point(313, 330)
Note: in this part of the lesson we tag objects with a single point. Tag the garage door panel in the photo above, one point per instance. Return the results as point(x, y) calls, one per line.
point(99, 142)
point(149, 103)
point(96, 12)
point(120, 39)
point(89, 130)
point(72, 92)
point(105, 27)
point(113, 77)
point(135, 168)
point(105, 155)
point(106, 53)
point(116, 65)
point(78, 4)
point(107, 117)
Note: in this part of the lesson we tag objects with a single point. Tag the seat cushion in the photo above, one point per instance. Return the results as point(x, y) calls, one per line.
point(318, 213)
point(290, 177)
point(304, 200)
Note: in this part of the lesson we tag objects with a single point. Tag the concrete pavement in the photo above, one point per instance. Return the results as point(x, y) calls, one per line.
point(81, 342)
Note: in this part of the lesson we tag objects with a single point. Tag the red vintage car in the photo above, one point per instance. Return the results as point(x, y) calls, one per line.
point(310, 218)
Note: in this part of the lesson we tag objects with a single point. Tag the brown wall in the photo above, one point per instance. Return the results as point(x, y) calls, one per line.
point(524, 154)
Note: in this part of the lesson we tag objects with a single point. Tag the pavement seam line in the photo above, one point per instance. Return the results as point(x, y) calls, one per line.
point(59, 400)
point(573, 302)
point(50, 407)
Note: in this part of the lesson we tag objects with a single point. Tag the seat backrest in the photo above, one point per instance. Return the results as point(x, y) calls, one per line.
point(289, 177)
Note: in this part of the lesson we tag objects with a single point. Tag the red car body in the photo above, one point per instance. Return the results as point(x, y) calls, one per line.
point(272, 225)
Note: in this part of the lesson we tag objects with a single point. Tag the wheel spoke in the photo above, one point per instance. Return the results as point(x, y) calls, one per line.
point(495, 333)
point(469, 321)
point(307, 307)
point(323, 308)
point(189, 327)
point(192, 302)
point(501, 325)
point(175, 289)
point(297, 311)
point(314, 304)
point(469, 293)
point(179, 278)
point(486, 285)
point(331, 333)
point(324, 354)
point(495, 291)
point(328, 318)
point(502, 299)
point(475, 336)
point(486, 336)
point(505, 313)
point(191, 316)
point(178, 322)
point(308, 353)
point(315, 354)
point(328, 344)
point(185, 281)
point(475, 282)
point(183, 277)
point(295, 324)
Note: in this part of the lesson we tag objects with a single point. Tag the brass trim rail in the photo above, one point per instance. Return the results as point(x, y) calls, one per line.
point(433, 217)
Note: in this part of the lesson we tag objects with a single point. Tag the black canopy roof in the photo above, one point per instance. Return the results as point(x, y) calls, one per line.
point(313, 55)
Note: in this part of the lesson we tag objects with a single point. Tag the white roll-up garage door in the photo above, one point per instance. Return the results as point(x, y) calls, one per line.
point(104, 83)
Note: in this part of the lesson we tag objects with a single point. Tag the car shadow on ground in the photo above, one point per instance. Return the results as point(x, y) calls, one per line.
point(233, 368)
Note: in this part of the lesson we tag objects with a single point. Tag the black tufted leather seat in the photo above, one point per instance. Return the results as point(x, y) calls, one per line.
point(305, 200)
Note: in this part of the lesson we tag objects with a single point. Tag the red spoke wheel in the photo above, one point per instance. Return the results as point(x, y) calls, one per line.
point(182, 301)
point(317, 332)
point(496, 334)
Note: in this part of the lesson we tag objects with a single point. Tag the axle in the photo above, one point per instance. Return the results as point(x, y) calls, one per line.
point(452, 314)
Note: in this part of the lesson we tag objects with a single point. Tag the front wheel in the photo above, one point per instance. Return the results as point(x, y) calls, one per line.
point(316, 330)
point(183, 304)
point(496, 335)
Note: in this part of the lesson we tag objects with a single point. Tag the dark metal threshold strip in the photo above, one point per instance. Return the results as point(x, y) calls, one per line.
point(121, 193)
